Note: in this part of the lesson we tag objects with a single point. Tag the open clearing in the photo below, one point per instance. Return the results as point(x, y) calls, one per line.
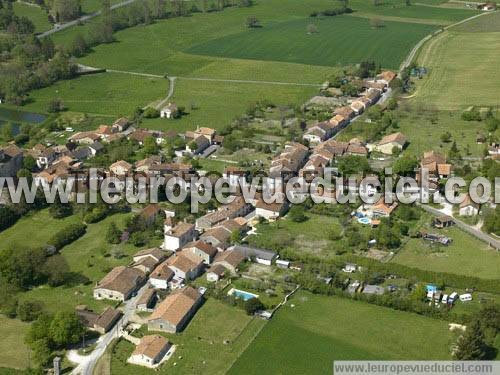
point(111, 94)
point(465, 256)
point(323, 329)
point(463, 70)
point(13, 350)
point(201, 344)
point(340, 40)
point(35, 14)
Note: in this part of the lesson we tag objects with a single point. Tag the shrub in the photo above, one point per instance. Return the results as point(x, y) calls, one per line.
point(67, 235)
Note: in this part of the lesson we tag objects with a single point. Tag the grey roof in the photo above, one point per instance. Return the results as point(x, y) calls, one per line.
point(97, 146)
point(248, 252)
point(82, 153)
point(373, 289)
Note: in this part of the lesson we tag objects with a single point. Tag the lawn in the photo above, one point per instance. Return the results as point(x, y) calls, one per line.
point(218, 103)
point(340, 40)
point(13, 351)
point(463, 70)
point(200, 347)
point(323, 329)
point(465, 256)
point(310, 235)
point(89, 258)
point(111, 94)
point(35, 14)
point(40, 226)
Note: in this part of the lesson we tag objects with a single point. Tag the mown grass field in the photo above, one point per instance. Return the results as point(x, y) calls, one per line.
point(307, 338)
point(340, 40)
point(112, 94)
point(13, 350)
point(463, 70)
point(310, 235)
point(218, 103)
point(484, 24)
point(36, 15)
point(465, 256)
point(201, 344)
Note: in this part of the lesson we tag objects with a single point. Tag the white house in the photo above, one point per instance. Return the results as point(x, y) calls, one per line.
point(151, 351)
point(178, 236)
point(468, 207)
point(161, 276)
point(169, 111)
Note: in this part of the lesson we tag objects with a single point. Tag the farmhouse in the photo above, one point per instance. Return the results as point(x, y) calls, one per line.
point(270, 211)
point(85, 137)
point(387, 144)
point(169, 111)
point(101, 323)
point(319, 132)
point(121, 124)
point(155, 253)
point(147, 300)
point(146, 265)
point(218, 237)
point(203, 250)
point(173, 313)
point(436, 164)
point(229, 259)
point(238, 207)
point(178, 235)
point(120, 168)
point(150, 351)
point(468, 207)
point(261, 256)
point(215, 273)
point(161, 276)
point(185, 265)
point(119, 284)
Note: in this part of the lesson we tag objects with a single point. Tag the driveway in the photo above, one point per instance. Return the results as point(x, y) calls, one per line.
point(87, 363)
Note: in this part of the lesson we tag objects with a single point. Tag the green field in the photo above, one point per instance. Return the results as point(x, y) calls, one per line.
point(41, 227)
point(36, 15)
point(307, 338)
point(463, 70)
point(13, 351)
point(218, 103)
point(484, 24)
point(465, 256)
point(88, 257)
point(111, 94)
point(310, 235)
point(341, 40)
point(201, 344)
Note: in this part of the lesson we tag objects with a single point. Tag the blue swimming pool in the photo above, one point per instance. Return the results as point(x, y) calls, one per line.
point(364, 220)
point(245, 296)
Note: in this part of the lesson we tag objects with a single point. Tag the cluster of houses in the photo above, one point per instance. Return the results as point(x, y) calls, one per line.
point(188, 251)
point(343, 115)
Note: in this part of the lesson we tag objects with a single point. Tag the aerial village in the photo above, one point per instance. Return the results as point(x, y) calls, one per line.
point(163, 287)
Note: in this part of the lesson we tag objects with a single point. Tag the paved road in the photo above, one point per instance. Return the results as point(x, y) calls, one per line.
point(81, 19)
point(171, 87)
point(87, 366)
point(466, 227)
